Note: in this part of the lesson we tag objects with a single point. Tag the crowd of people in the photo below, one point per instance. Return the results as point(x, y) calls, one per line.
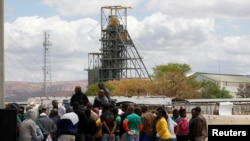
point(83, 121)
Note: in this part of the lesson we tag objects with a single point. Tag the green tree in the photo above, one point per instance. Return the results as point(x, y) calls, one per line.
point(210, 89)
point(171, 81)
point(92, 89)
point(159, 71)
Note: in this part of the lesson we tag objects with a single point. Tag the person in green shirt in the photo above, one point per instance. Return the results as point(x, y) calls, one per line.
point(175, 115)
point(118, 124)
point(132, 125)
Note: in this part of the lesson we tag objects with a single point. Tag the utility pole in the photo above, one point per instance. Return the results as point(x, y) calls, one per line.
point(2, 105)
point(46, 61)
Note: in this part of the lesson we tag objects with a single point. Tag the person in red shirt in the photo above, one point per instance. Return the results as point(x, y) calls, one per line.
point(182, 122)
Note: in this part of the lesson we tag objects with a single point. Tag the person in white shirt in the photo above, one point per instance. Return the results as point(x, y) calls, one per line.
point(172, 127)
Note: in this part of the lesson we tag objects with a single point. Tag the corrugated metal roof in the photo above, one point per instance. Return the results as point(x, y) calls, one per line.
point(218, 100)
point(225, 77)
point(139, 100)
point(148, 100)
point(145, 100)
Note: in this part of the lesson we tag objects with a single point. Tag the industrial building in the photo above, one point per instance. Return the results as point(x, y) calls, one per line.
point(229, 82)
point(118, 57)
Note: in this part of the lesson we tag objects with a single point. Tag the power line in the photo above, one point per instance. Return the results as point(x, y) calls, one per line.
point(28, 75)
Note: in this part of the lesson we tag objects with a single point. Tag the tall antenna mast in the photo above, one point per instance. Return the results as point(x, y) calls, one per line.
point(46, 61)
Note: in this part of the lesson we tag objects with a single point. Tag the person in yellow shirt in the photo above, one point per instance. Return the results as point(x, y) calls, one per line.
point(98, 134)
point(162, 132)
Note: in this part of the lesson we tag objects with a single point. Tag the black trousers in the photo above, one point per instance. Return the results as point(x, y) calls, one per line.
point(182, 137)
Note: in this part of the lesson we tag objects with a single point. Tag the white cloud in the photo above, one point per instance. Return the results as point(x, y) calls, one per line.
point(198, 8)
point(71, 42)
point(86, 7)
point(161, 31)
point(170, 31)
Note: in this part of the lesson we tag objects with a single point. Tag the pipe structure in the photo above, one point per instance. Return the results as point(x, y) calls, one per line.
point(2, 80)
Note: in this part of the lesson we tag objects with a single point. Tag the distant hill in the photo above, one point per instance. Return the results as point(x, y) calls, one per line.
point(16, 91)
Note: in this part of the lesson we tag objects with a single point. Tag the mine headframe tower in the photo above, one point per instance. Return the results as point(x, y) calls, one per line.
point(119, 57)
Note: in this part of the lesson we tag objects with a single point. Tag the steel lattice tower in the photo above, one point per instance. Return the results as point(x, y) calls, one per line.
point(46, 68)
point(119, 57)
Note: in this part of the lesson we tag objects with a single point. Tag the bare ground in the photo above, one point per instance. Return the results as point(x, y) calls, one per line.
point(228, 120)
